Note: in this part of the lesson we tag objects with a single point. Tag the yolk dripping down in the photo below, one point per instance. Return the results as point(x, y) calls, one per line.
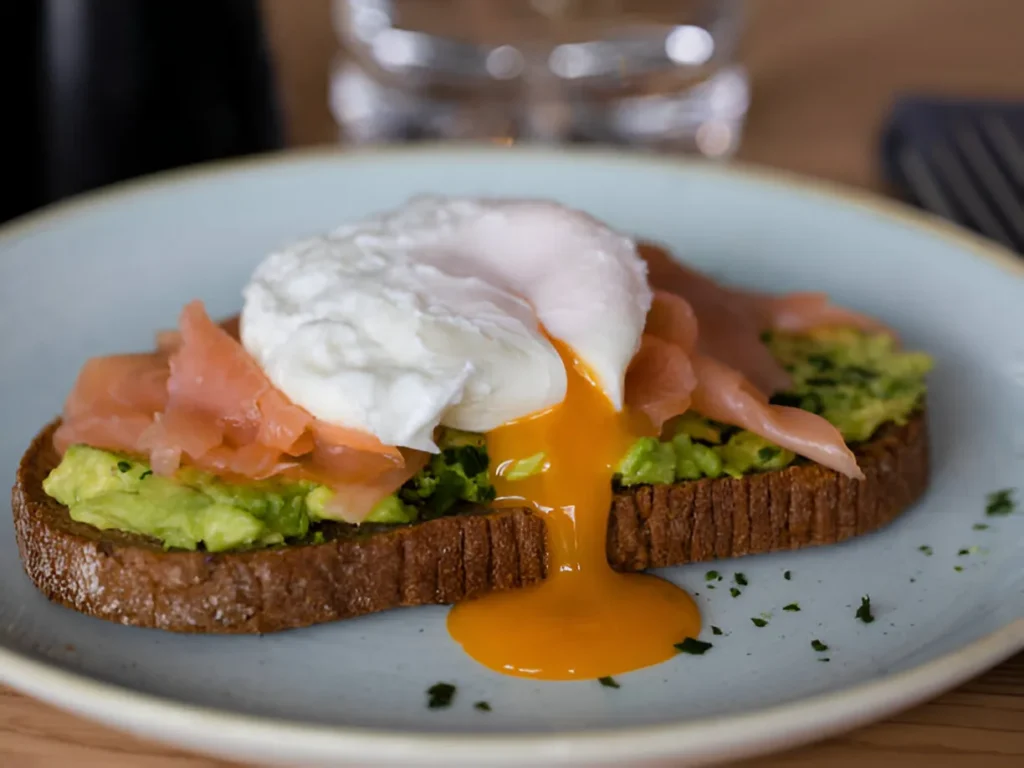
point(585, 620)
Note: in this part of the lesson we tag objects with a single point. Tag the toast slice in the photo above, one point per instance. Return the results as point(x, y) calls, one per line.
point(358, 570)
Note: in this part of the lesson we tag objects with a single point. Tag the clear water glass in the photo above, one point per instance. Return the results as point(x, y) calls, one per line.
point(652, 73)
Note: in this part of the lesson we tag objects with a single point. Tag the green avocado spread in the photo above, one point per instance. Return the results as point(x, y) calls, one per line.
point(195, 509)
point(858, 382)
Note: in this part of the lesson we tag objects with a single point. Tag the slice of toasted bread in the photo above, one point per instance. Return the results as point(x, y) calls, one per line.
point(133, 580)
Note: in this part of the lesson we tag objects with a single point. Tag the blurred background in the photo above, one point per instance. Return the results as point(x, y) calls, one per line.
point(101, 90)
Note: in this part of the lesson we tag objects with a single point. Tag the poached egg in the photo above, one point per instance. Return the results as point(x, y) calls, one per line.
point(514, 318)
point(442, 313)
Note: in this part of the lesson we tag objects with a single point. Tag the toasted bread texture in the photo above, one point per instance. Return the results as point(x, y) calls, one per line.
point(359, 570)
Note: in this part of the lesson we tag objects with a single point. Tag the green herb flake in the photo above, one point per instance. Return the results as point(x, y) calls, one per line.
point(482, 706)
point(1000, 503)
point(864, 612)
point(715, 630)
point(963, 552)
point(734, 592)
point(926, 549)
point(692, 646)
point(711, 576)
point(440, 695)
point(123, 466)
point(740, 579)
point(758, 622)
point(824, 658)
point(792, 607)
point(958, 568)
point(145, 474)
point(608, 682)
point(787, 576)
point(819, 646)
point(980, 527)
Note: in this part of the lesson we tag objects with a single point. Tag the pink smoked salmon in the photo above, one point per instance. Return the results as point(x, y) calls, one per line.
point(702, 349)
point(732, 321)
point(202, 400)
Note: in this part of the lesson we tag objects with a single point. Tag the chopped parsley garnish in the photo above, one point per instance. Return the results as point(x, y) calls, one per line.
point(864, 612)
point(711, 576)
point(608, 682)
point(145, 474)
point(824, 658)
point(440, 695)
point(715, 630)
point(483, 706)
point(758, 622)
point(457, 474)
point(787, 576)
point(925, 548)
point(819, 646)
point(963, 552)
point(734, 592)
point(958, 568)
point(1000, 503)
point(792, 607)
point(124, 466)
point(740, 579)
point(980, 527)
point(692, 646)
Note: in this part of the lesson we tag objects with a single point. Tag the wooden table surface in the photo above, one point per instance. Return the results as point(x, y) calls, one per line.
point(824, 73)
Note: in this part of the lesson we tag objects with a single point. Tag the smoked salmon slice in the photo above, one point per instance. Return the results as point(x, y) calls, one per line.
point(202, 400)
point(730, 326)
point(113, 401)
point(672, 318)
point(660, 380)
point(170, 340)
point(722, 394)
point(731, 321)
point(802, 312)
point(702, 349)
point(358, 498)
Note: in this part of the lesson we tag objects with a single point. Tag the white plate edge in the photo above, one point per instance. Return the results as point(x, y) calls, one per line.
point(268, 740)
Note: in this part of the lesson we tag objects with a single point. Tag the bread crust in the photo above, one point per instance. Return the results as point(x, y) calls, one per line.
point(359, 570)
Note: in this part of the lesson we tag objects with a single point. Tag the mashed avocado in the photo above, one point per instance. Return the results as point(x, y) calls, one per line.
point(856, 381)
point(194, 509)
point(111, 491)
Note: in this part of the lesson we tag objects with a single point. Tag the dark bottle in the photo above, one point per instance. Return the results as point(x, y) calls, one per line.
point(96, 91)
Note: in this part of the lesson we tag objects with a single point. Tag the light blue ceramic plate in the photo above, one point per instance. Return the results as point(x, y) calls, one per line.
point(102, 274)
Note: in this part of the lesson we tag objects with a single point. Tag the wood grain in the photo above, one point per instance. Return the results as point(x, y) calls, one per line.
point(824, 73)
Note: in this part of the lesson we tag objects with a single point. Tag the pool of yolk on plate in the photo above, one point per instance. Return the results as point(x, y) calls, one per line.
point(584, 620)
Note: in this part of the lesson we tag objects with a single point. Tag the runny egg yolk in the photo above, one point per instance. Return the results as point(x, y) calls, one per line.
point(584, 620)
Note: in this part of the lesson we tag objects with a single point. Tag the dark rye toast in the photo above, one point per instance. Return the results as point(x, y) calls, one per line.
point(358, 570)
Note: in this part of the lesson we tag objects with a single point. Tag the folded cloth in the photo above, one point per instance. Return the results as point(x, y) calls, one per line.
point(962, 160)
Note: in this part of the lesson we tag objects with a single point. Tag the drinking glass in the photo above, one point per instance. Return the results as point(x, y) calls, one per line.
point(653, 73)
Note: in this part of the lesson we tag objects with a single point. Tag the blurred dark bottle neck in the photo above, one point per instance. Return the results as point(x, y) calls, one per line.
point(105, 90)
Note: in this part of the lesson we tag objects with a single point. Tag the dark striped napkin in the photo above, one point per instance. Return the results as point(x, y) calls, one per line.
point(962, 160)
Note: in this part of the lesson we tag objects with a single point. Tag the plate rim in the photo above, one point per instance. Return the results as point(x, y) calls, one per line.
point(728, 736)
